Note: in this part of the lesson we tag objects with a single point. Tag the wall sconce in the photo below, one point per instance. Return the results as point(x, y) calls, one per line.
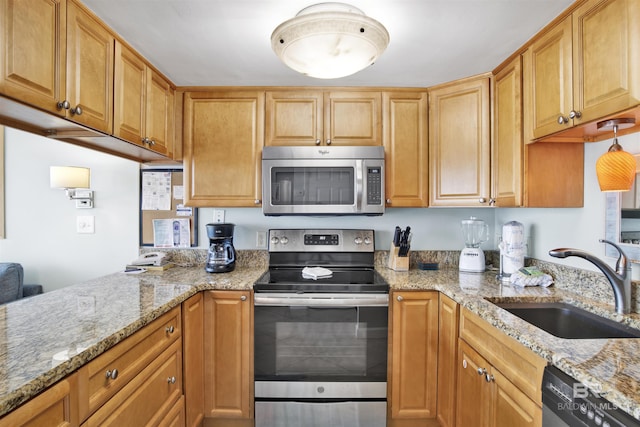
point(71, 178)
point(616, 169)
point(329, 40)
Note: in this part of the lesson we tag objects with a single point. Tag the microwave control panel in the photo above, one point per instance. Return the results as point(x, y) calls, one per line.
point(374, 185)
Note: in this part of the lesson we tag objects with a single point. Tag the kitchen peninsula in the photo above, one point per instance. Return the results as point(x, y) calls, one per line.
point(49, 337)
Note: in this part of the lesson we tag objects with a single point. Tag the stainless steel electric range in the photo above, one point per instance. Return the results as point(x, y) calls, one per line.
point(321, 316)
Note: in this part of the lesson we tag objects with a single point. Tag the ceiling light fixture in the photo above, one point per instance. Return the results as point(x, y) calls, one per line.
point(329, 41)
point(616, 169)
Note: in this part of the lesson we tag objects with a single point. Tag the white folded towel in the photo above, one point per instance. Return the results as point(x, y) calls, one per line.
point(316, 273)
point(530, 276)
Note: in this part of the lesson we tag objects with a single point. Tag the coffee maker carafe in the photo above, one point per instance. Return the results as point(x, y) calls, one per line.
point(221, 257)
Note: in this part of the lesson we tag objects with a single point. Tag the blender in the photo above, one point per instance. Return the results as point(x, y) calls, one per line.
point(475, 232)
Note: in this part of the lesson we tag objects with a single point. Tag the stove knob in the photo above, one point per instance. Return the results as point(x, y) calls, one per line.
point(275, 240)
point(284, 240)
point(358, 240)
point(367, 241)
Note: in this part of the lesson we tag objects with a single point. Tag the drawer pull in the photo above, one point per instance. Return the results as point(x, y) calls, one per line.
point(400, 298)
point(489, 378)
point(171, 380)
point(111, 374)
point(243, 298)
point(169, 329)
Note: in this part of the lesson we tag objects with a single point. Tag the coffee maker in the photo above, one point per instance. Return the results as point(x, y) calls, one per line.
point(221, 257)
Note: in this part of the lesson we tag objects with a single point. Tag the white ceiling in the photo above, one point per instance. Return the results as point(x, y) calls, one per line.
point(227, 43)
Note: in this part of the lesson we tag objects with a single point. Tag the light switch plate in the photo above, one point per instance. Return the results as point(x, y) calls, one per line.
point(85, 224)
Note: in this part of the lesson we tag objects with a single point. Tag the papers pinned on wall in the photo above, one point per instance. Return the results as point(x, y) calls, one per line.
point(156, 191)
point(171, 233)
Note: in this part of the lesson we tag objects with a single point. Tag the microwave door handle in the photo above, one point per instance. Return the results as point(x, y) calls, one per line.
point(358, 186)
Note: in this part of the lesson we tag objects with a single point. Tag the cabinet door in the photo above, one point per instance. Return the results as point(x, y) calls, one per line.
point(193, 358)
point(606, 57)
point(148, 397)
point(228, 367)
point(511, 407)
point(55, 407)
point(352, 118)
point(414, 355)
point(459, 143)
point(159, 114)
point(33, 62)
point(90, 61)
point(293, 118)
point(507, 145)
point(406, 150)
point(222, 148)
point(447, 355)
point(473, 398)
point(130, 95)
point(548, 82)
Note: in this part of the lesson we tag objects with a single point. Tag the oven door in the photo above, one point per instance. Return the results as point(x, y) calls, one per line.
point(321, 337)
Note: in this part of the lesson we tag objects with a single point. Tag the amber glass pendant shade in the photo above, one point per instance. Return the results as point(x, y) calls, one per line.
point(616, 169)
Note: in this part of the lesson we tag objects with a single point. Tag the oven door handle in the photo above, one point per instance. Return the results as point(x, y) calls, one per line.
point(329, 300)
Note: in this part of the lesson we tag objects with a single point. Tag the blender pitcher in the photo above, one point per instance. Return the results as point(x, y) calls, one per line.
point(475, 232)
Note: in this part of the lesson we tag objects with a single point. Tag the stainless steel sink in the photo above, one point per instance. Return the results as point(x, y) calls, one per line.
point(567, 321)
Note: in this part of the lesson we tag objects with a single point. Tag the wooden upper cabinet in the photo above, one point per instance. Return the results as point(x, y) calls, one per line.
point(223, 135)
point(143, 103)
point(506, 145)
point(583, 69)
point(405, 137)
point(459, 143)
point(39, 78)
point(314, 117)
point(548, 81)
point(606, 57)
point(90, 61)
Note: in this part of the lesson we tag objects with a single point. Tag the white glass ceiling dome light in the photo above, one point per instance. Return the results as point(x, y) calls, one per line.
point(329, 40)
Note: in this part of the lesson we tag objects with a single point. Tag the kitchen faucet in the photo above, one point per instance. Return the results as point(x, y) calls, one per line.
point(620, 279)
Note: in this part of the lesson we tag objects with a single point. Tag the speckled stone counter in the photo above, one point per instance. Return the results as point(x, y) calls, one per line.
point(46, 337)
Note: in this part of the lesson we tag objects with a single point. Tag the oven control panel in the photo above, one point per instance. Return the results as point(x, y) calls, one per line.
point(321, 240)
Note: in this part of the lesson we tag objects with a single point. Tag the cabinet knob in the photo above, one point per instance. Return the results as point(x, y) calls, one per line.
point(464, 363)
point(111, 374)
point(573, 114)
point(328, 141)
point(169, 329)
point(318, 141)
point(171, 380)
point(492, 201)
point(256, 201)
point(482, 200)
point(489, 378)
point(482, 371)
point(243, 298)
point(63, 105)
point(151, 142)
point(399, 298)
point(388, 201)
point(77, 111)
point(145, 140)
point(562, 120)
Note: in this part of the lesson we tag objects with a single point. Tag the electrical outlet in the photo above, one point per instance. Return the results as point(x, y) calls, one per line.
point(218, 215)
point(261, 239)
point(85, 224)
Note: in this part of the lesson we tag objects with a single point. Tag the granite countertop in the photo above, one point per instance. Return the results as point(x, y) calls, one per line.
point(46, 337)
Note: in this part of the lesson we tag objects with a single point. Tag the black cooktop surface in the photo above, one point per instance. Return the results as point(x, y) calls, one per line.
point(343, 279)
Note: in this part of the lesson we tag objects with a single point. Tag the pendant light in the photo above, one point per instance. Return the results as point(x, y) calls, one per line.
point(616, 169)
point(329, 40)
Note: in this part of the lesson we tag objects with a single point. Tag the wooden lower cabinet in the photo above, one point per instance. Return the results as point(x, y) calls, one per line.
point(228, 358)
point(447, 355)
point(193, 359)
point(498, 380)
point(55, 407)
point(413, 360)
point(149, 398)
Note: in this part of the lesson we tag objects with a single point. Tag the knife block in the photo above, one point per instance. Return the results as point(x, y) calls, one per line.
point(397, 263)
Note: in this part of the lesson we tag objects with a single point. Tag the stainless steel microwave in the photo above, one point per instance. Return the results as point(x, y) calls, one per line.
point(323, 180)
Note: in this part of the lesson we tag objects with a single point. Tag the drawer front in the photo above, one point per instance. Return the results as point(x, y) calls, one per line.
point(99, 380)
point(517, 363)
point(149, 397)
